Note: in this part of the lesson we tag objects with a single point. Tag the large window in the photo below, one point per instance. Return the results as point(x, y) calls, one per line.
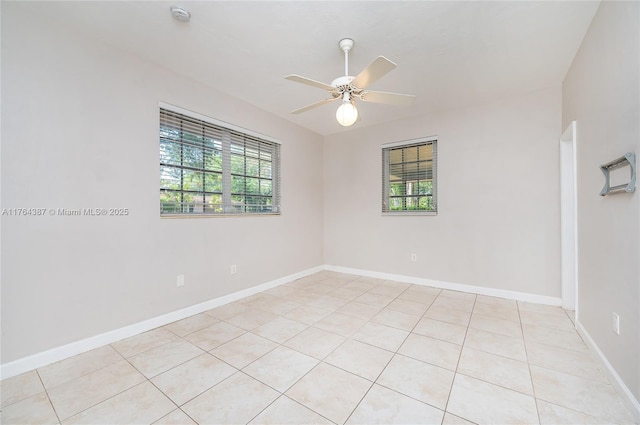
point(208, 168)
point(409, 177)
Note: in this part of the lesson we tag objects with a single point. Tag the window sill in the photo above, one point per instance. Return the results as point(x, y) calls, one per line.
point(187, 216)
point(405, 213)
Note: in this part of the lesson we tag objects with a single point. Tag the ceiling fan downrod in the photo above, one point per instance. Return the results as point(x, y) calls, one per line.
point(346, 44)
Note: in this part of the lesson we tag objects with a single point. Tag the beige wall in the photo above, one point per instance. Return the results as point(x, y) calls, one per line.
point(601, 92)
point(498, 195)
point(80, 129)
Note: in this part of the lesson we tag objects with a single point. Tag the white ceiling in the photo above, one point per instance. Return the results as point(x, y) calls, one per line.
point(450, 54)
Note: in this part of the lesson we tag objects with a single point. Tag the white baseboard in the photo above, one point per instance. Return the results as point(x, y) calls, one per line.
point(53, 355)
point(501, 293)
point(44, 358)
point(632, 403)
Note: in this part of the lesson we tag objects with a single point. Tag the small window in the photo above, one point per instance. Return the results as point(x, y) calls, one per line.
point(409, 177)
point(211, 169)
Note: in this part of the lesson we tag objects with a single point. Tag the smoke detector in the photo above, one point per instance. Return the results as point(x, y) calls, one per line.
point(180, 14)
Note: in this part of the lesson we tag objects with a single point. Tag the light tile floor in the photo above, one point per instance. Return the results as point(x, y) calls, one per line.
point(333, 348)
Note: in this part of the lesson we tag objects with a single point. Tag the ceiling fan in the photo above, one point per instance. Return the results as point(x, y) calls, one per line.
point(349, 88)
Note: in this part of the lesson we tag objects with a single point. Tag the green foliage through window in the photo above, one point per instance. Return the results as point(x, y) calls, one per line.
point(409, 177)
point(209, 169)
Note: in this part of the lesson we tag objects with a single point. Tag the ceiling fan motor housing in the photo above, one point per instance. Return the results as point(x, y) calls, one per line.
point(342, 81)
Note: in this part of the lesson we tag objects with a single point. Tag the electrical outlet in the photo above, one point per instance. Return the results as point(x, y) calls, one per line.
point(233, 269)
point(616, 323)
point(414, 257)
point(180, 280)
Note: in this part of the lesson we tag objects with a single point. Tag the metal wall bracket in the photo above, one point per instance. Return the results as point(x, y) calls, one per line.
point(629, 159)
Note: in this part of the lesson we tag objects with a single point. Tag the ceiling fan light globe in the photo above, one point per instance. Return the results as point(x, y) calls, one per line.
point(347, 114)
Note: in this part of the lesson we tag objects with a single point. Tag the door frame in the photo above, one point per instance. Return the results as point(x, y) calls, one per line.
point(569, 218)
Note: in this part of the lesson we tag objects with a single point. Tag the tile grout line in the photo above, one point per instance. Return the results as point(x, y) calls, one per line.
point(86, 374)
point(179, 407)
point(82, 375)
point(389, 361)
point(455, 373)
point(526, 354)
point(320, 361)
point(46, 392)
point(198, 395)
point(395, 353)
point(289, 398)
point(150, 382)
point(349, 338)
point(300, 379)
point(46, 389)
point(280, 394)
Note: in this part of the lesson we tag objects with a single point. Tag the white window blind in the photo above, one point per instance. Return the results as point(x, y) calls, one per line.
point(206, 168)
point(409, 180)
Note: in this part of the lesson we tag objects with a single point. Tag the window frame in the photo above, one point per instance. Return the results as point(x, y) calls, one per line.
point(385, 149)
point(229, 140)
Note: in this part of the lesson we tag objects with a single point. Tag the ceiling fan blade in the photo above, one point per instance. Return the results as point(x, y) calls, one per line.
point(313, 105)
point(376, 70)
point(388, 98)
point(308, 82)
